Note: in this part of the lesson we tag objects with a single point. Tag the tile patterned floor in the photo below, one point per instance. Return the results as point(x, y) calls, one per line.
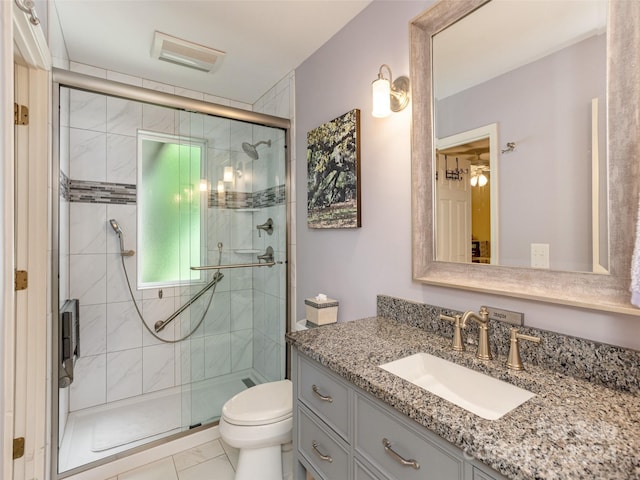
point(209, 461)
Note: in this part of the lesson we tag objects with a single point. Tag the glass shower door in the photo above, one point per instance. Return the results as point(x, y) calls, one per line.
point(241, 340)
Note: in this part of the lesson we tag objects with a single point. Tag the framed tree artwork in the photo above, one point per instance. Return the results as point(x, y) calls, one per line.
point(333, 173)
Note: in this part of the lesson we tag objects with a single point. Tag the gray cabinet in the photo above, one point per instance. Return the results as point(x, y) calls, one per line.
point(321, 448)
point(399, 451)
point(343, 433)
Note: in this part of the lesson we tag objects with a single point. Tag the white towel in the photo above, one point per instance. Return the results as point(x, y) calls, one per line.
point(635, 266)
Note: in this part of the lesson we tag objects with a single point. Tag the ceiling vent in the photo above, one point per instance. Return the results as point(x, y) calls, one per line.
point(181, 52)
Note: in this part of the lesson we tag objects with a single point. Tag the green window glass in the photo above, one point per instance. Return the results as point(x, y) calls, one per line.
point(171, 209)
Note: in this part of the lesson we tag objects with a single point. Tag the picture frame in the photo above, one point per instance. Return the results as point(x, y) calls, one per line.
point(333, 173)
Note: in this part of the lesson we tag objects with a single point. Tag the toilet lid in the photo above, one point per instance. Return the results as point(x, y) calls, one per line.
point(263, 404)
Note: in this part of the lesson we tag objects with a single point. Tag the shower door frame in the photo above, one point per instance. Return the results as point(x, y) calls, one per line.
point(64, 78)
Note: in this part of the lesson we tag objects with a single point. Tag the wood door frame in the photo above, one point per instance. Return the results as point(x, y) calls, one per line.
point(25, 244)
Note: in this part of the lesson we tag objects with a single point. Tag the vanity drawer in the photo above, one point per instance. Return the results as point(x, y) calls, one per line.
point(325, 395)
point(322, 451)
point(374, 425)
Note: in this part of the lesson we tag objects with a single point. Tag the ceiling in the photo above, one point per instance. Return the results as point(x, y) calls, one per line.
point(263, 40)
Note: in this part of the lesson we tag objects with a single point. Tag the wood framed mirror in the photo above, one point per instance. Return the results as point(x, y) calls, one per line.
point(601, 289)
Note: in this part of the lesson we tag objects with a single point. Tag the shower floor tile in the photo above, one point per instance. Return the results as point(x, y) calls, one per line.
point(82, 429)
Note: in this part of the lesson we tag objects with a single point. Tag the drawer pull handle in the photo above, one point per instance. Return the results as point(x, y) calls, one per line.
point(397, 457)
point(321, 456)
point(324, 398)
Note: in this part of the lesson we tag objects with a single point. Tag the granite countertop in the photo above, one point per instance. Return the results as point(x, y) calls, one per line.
point(571, 429)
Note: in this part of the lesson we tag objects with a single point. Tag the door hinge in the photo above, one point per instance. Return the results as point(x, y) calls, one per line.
point(18, 447)
point(21, 280)
point(20, 114)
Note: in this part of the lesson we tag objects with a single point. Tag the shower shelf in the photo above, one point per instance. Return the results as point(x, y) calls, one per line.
point(247, 250)
point(250, 210)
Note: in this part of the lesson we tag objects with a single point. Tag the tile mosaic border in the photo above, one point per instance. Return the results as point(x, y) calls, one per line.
point(596, 362)
point(64, 187)
point(261, 199)
point(102, 192)
point(86, 191)
point(269, 197)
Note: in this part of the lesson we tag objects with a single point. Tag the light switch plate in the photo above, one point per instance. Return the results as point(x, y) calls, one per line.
point(540, 255)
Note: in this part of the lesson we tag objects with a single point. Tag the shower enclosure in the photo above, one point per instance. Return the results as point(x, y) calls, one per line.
point(171, 258)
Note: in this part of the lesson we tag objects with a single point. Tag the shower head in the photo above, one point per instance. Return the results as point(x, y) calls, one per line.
point(252, 150)
point(115, 226)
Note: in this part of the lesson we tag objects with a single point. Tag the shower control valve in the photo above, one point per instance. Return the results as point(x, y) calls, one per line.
point(266, 226)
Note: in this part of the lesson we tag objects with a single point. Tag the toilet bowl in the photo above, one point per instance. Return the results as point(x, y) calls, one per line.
point(258, 421)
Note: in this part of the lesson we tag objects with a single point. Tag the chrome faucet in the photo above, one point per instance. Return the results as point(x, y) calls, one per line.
point(482, 319)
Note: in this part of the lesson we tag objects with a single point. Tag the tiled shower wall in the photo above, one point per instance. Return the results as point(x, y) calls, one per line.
point(270, 286)
point(119, 358)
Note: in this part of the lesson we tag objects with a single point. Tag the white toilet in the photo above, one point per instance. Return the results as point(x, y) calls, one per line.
point(258, 421)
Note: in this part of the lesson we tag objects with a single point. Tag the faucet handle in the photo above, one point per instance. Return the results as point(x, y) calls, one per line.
point(458, 344)
point(514, 362)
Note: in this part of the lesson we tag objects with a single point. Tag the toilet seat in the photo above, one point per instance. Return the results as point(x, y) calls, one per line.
point(263, 404)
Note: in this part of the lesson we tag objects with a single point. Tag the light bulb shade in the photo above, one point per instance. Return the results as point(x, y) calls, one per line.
point(474, 180)
point(227, 176)
point(381, 98)
point(482, 180)
point(220, 186)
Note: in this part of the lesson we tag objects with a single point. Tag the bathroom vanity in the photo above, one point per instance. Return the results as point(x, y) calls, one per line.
point(344, 433)
point(354, 420)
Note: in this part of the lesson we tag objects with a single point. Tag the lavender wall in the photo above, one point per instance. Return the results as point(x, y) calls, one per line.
point(356, 265)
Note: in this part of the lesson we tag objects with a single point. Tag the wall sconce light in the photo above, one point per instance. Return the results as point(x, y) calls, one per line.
point(220, 187)
point(230, 174)
point(389, 95)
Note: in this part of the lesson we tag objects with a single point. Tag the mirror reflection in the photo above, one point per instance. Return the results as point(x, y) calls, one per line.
point(520, 136)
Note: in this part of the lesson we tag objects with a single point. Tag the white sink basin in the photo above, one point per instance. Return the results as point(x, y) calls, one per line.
point(476, 392)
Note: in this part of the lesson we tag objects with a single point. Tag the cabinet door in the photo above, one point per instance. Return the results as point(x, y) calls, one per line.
point(363, 473)
point(484, 475)
point(398, 451)
point(319, 447)
point(325, 395)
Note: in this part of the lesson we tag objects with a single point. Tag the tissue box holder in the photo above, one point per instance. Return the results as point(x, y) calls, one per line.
point(321, 312)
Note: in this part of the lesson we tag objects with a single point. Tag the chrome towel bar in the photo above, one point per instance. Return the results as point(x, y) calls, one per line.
point(236, 265)
point(267, 257)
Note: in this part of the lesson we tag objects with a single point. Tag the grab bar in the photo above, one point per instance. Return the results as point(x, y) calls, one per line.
point(160, 324)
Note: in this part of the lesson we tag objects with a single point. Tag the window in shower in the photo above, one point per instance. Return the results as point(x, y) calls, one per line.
point(171, 209)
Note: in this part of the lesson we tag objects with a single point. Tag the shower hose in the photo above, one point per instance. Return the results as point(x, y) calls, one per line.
point(144, 323)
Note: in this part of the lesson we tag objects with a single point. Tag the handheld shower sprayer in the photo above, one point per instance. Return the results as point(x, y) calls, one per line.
point(116, 228)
